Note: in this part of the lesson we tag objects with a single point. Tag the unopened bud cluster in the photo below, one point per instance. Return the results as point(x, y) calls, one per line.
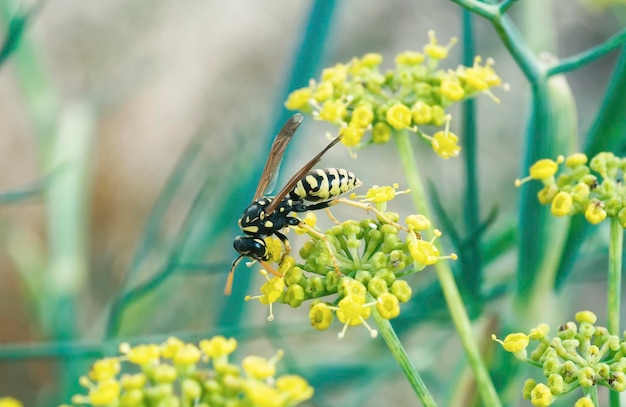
point(595, 188)
point(360, 98)
point(355, 266)
point(581, 354)
point(182, 374)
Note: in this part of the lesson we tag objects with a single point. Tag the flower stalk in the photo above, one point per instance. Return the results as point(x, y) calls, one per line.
point(446, 279)
point(399, 353)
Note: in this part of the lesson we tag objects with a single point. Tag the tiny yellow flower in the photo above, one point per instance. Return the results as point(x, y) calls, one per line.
point(381, 133)
point(439, 117)
point(586, 316)
point(299, 99)
point(595, 212)
point(274, 248)
point(336, 74)
point(272, 290)
point(539, 332)
point(399, 116)
point(515, 342)
point(584, 402)
point(104, 369)
point(187, 355)
point(423, 252)
point(165, 373)
point(541, 396)
point(547, 193)
point(544, 168)
point(218, 346)
point(321, 316)
point(353, 310)
point(171, 347)
point(295, 388)
point(382, 194)
point(436, 51)
point(351, 135)
point(388, 305)
point(362, 116)
point(418, 222)
point(9, 402)
point(105, 393)
point(562, 204)
point(323, 91)
point(259, 368)
point(445, 144)
point(333, 111)
point(409, 58)
point(576, 159)
point(133, 381)
point(144, 354)
point(422, 113)
point(263, 395)
point(354, 288)
point(452, 90)
point(371, 59)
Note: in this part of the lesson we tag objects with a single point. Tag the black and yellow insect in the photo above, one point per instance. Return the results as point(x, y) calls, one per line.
point(267, 216)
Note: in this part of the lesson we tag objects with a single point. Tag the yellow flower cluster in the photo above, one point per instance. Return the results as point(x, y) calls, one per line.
point(354, 267)
point(594, 188)
point(581, 354)
point(360, 98)
point(176, 373)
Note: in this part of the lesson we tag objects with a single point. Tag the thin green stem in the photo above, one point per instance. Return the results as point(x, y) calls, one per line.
point(399, 353)
point(616, 242)
point(589, 55)
point(615, 275)
point(446, 279)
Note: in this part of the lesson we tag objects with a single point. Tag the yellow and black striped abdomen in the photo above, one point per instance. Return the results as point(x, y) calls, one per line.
point(323, 185)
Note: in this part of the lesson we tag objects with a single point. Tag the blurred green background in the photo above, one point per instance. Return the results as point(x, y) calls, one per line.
point(133, 134)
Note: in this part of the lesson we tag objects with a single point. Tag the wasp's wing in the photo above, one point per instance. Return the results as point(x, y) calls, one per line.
point(276, 153)
point(297, 177)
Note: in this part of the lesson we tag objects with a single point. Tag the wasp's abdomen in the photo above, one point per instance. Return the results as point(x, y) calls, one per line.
point(323, 185)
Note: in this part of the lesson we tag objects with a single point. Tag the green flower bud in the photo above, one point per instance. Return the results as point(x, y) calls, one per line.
point(603, 370)
point(556, 384)
point(377, 286)
point(386, 275)
point(402, 290)
point(567, 331)
point(294, 296)
point(363, 277)
point(529, 385)
point(294, 276)
point(332, 281)
point(618, 381)
point(191, 389)
point(315, 287)
point(586, 376)
point(379, 260)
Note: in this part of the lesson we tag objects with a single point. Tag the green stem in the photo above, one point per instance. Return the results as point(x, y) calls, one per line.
point(615, 275)
point(616, 242)
point(399, 353)
point(446, 279)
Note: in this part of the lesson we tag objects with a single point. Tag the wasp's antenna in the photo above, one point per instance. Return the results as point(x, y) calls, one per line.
point(228, 289)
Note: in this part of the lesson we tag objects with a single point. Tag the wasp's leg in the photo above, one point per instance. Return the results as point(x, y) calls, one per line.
point(369, 207)
point(331, 216)
point(326, 242)
point(286, 244)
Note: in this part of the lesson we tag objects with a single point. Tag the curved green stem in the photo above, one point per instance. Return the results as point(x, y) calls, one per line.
point(446, 279)
point(589, 55)
point(399, 353)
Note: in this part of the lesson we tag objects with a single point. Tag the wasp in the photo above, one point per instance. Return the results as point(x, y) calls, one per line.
point(268, 216)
